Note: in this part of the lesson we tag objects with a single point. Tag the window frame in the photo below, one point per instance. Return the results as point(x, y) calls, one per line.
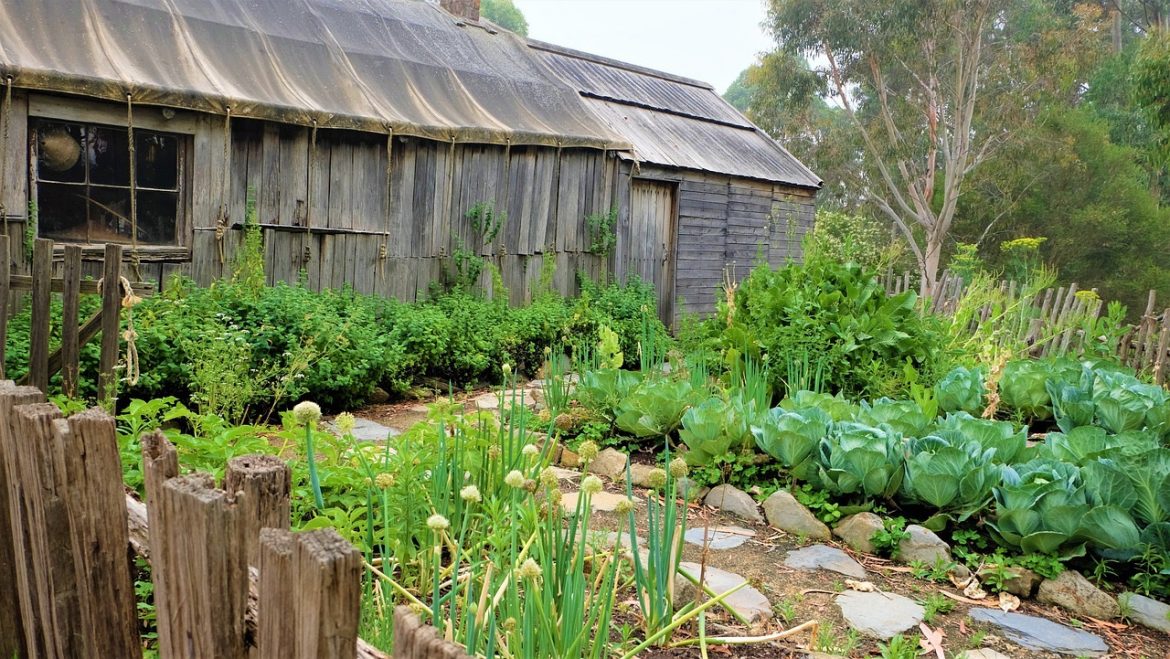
point(183, 126)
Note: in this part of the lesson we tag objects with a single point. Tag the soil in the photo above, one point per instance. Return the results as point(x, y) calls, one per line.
point(800, 596)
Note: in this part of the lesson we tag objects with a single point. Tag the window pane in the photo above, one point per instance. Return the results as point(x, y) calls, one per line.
point(158, 158)
point(109, 215)
point(59, 150)
point(109, 156)
point(156, 217)
point(61, 212)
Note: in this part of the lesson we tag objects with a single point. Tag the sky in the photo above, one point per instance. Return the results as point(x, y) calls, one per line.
point(711, 40)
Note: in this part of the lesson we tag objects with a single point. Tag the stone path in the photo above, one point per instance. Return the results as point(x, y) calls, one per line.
point(602, 501)
point(823, 557)
point(1042, 634)
point(366, 430)
point(879, 615)
point(747, 601)
point(719, 537)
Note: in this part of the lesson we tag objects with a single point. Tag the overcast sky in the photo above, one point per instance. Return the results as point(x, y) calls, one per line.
point(712, 40)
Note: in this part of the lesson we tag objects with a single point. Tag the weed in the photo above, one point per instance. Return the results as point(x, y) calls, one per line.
point(891, 535)
point(934, 605)
point(899, 647)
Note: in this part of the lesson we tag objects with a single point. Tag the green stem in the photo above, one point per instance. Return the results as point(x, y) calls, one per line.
point(318, 500)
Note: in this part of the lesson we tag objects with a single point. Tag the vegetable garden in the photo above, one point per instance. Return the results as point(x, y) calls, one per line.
point(811, 379)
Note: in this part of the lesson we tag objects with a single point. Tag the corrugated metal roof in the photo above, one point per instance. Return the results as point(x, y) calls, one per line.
point(373, 65)
point(675, 121)
point(675, 141)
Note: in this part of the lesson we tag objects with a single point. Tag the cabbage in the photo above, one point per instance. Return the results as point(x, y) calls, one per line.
point(859, 459)
point(904, 416)
point(1009, 444)
point(792, 438)
point(712, 429)
point(951, 479)
point(962, 390)
point(654, 408)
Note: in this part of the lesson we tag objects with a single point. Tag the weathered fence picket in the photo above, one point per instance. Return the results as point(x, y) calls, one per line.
point(66, 525)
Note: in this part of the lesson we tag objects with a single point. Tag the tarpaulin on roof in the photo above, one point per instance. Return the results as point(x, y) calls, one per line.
point(374, 65)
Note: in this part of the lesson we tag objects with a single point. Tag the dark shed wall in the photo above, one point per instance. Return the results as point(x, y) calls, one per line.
point(724, 223)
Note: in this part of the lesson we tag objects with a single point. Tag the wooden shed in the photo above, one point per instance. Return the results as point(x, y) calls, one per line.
point(370, 133)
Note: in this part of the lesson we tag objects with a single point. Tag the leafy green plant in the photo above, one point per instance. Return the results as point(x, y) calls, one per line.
point(818, 503)
point(654, 408)
point(954, 479)
point(792, 438)
point(899, 647)
point(712, 429)
point(887, 539)
point(860, 460)
point(602, 229)
point(936, 604)
point(962, 390)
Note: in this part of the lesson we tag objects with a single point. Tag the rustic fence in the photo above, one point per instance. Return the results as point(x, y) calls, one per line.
point(40, 286)
point(1056, 322)
point(230, 580)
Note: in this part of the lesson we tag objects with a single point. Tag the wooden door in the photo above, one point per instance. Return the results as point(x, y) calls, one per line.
point(650, 253)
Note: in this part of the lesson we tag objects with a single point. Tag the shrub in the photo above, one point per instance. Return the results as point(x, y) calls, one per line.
point(860, 338)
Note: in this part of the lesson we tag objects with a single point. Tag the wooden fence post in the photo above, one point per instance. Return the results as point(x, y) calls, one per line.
point(160, 462)
point(16, 627)
point(70, 334)
point(111, 323)
point(276, 632)
point(266, 482)
point(202, 567)
point(42, 282)
point(314, 580)
point(87, 446)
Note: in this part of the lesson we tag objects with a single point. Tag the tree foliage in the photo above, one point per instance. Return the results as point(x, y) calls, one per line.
point(505, 14)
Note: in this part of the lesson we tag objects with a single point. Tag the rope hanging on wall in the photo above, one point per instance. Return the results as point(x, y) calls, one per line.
point(306, 254)
point(4, 123)
point(134, 258)
point(384, 249)
point(221, 222)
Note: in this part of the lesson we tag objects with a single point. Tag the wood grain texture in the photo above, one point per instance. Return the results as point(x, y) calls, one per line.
point(70, 331)
point(38, 365)
point(111, 312)
point(17, 594)
point(265, 482)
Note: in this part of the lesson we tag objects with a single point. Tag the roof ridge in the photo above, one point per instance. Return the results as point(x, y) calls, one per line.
point(619, 64)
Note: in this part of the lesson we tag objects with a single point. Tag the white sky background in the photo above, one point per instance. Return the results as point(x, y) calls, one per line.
point(711, 40)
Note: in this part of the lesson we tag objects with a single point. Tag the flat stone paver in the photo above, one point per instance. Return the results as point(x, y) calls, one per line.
point(719, 537)
point(367, 430)
point(602, 501)
point(879, 615)
point(824, 557)
point(747, 601)
point(1041, 634)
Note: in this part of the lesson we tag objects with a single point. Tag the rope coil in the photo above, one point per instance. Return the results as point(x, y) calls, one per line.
point(129, 335)
point(221, 223)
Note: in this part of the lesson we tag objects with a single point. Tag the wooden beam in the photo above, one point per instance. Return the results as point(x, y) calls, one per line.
point(87, 287)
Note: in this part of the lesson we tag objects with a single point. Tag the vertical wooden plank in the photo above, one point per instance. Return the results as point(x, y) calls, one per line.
point(5, 274)
point(329, 591)
point(265, 482)
point(17, 596)
point(160, 463)
point(111, 311)
point(15, 156)
point(276, 623)
point(70, 347)
point(53, 573)
point(38, 365)
point(1163, 344)
point(205, 567)
point(87, 446)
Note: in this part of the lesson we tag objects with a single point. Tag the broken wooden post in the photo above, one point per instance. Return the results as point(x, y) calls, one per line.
point(202, 568)
point(266, 482)
point(311, 582)
point(14, 574)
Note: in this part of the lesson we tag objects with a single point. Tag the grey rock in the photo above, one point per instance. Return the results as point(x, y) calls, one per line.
point(379, 396)
point(602, 501)
point(787, 514)
point(1041, 634)
point(1145, 611)
point(492, 400)
point(1071, 591)
point(823, 557)
point(719, 537)
point(367, 430)
point(747, 601)
point(610, 463)
point(732, 500)
point(857, 531)
point(879, 615)
point(983, 653)
point(923, 545)
point(690, 489)
point(1016, 580)
point(640, 474)
point(563, 474)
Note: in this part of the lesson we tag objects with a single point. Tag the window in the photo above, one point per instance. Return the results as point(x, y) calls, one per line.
point(82, 173)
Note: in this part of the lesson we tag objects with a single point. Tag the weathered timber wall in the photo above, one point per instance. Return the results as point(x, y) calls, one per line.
point(329, 205)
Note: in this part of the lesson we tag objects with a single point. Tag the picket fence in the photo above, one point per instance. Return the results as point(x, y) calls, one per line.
point(230, 580)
